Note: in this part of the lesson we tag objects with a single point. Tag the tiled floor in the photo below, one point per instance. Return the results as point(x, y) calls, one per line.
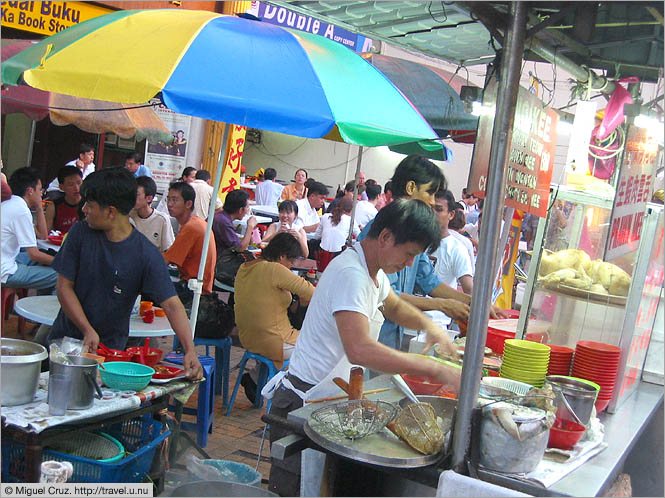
point(236, 437)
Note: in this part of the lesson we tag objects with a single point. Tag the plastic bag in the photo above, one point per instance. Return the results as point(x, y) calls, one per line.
point(60, 348)
point(614, 111)
point(198, 468)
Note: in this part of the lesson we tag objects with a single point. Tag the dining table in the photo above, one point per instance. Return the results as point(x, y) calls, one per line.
point(44, 310)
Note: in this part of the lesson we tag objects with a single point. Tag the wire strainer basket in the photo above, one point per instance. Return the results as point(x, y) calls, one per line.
point(93, 445)
point(355, 419)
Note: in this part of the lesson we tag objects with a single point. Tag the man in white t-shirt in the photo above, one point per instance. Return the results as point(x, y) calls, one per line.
point(155, 225)
point(204, 193)
point(29, 269)
point(268, 192)
point(83, 162)
point(451, 260)
point(344, 318)
point(366, 210)
point(307, 207)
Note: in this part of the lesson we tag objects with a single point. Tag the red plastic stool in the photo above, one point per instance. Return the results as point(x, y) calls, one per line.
point(8, 295)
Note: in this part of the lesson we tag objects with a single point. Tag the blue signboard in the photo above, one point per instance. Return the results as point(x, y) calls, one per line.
point(289, 19)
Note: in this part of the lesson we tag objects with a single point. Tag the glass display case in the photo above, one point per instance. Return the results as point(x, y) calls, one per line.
point(575, 304)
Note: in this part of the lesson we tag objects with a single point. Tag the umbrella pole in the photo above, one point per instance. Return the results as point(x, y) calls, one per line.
point(197, 284)
point(355, 195)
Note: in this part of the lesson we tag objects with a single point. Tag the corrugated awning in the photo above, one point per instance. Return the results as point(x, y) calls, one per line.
point(92, 116)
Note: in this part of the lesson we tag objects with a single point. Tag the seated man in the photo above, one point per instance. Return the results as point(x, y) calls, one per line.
point(366, 210)
point(236, 206)
point(204, 193)
point(62, 213)
point(103, 266)
point(133, 164)
point(155, 225)
point(268, 192)
point(186, 250)
point(30, 269)
point(83, 162)
point(348, 193)
point(307, 208)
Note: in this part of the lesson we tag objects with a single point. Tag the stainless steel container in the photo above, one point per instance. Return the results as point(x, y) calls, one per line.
point(579, 395)
point(83, 372)
point(502, 451)
point(21, 365)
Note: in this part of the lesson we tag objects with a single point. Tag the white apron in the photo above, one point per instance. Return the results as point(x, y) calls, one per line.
point(327, 387)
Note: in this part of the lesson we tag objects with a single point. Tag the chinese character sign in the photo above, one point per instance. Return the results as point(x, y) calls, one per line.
point(531, 157)
point(231, 173)
point(632, 193)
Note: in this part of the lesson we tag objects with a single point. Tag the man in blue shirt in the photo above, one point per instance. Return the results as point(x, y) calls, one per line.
point(105, 263)
point(418, 178)
point(133, 164)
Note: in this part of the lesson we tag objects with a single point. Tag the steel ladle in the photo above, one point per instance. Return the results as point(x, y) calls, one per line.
point(402, 386)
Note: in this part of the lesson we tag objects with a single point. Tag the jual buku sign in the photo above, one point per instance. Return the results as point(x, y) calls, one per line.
point(47, 18)
point(531, 157)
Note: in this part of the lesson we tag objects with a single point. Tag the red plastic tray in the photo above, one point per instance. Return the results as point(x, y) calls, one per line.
point(172, 372)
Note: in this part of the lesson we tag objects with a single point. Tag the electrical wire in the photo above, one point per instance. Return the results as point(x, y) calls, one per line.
point(443, 8)
point(18, 101)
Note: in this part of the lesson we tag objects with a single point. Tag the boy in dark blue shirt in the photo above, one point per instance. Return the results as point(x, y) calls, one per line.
point(105, 263)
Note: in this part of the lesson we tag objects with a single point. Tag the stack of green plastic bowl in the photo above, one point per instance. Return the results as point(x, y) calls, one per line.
point(525, 361)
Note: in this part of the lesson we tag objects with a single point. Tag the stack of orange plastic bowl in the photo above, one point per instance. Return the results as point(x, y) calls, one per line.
point(500, 330)
point(598, 362)
point(525, 361)
point(561, 358)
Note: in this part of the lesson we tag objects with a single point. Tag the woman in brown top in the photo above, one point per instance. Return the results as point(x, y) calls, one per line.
point(263, 292)
point(296, 191)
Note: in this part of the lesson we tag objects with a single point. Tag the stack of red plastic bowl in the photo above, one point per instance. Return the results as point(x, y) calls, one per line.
point(561, 358)
point(598, 362)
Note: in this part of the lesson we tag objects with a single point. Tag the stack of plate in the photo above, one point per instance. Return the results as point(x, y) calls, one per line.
point(561, 358)
point(598, 362)
point(525, 361)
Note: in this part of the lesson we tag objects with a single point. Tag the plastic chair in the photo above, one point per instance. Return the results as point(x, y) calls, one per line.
point(267, 372)
point(222, 362)
point(206, 404)
point(7, 300)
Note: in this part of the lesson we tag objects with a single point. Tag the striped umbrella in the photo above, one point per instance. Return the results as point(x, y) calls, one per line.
point(227, 69)
point(224, 68)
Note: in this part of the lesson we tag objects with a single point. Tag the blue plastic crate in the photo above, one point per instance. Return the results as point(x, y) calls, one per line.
point(140, 437)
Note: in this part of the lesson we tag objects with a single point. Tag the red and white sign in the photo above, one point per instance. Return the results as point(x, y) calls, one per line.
point(633, 192)
point(531, 157)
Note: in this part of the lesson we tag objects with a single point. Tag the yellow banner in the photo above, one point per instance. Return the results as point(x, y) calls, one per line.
point(47, 18)
point(231, 172)
point(507, 275)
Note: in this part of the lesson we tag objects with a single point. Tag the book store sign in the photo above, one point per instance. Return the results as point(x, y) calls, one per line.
point(47, 18)
point(633, 191)
point(531, 157)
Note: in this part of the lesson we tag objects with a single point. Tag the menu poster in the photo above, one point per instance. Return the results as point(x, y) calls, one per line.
point(531, 157)
point(632, 193)
point(166, 161)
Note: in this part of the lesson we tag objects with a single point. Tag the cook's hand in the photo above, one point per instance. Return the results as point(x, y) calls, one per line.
point(455, 309)
point(436, 335)
point(251, 223)
point(451, 377)
point(496, 312)
point(90, 341)
point(190, 362)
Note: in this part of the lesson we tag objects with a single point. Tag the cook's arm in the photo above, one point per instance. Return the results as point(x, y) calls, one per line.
point(71, 306)
point(361, 349)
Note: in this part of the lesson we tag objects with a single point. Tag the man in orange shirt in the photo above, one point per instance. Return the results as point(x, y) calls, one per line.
point(186, 249)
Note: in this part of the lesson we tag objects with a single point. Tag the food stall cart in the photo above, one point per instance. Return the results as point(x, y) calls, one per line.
point(134, 419)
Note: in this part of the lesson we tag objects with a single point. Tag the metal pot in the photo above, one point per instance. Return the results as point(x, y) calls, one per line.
point(219, 488)
point(83, 372)
point(579, 395)
point(21, 365)
point(502, 451)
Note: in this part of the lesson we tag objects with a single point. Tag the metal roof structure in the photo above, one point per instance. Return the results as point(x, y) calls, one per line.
point(619, 38)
